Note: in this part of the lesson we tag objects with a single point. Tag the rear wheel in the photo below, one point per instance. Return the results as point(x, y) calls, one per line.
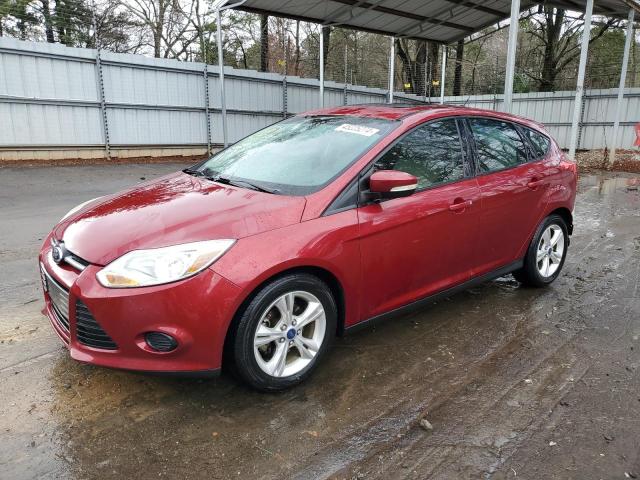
point(284, 332)
point(546, 253)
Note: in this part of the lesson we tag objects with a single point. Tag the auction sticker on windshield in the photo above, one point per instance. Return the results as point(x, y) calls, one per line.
point(358, 129)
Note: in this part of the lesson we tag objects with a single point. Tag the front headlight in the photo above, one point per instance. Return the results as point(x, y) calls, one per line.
point(142, 268)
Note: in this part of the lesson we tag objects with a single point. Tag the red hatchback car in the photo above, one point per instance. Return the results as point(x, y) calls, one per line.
point(257, 257)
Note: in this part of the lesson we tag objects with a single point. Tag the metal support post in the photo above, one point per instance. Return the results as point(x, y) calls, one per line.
point(103, 105)
point(284, 98)
point(511, 55)
point(623, 78)
point(321, 66)
point(584, 50)
point(223, 105)
point(206, 106)
point(443, 72)
point(392, 65)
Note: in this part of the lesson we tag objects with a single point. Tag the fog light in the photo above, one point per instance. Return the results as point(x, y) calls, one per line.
point(160, 342)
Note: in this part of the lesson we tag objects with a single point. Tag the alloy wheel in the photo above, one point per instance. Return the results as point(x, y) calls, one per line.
point(550, 251)
point(290, 333)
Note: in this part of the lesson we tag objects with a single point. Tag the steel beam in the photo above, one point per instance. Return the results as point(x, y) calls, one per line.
point(321, 66)
point(285, 108)
point(443, 72)
point(218, 6)
point(623, 78)
point(207, 104)
point(435, 21)
point(584, 50)
point(333, 19)
point(392, 65)
point(407, 14)
point(511, 55)
point(103, 105)
point(223, 104)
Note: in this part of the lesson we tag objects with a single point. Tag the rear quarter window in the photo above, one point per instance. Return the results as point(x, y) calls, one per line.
point(539, 143)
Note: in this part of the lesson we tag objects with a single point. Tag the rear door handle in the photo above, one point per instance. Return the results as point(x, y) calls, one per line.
point(459, 206)
point(535, 183)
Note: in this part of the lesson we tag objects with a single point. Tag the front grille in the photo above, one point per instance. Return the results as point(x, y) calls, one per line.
point(59, 299)
point(75, 261)
point(67, 256)
point(88, 330)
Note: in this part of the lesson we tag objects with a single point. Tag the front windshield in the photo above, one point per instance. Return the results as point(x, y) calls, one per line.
point(300, 155)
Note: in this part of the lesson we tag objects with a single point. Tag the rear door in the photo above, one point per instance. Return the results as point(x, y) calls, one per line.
point(418, 245)
point(512, 184)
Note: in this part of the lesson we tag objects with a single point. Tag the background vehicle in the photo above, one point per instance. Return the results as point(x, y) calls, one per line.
point(312, 227)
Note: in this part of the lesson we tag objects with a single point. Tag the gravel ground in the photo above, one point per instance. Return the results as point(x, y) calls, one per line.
point(498, 382)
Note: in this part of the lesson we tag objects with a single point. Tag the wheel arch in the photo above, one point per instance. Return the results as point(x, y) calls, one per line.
point(322, 273)
point(566, 215)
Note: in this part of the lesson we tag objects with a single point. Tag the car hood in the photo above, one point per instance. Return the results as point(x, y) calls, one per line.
point(174, 209)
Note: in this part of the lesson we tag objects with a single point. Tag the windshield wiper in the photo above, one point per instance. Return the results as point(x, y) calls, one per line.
point(241, 183)
point(194, 172)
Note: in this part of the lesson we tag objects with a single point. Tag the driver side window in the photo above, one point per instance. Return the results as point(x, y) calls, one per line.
point(432, 152)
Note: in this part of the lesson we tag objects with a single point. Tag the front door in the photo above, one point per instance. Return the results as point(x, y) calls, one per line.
point(415, 246)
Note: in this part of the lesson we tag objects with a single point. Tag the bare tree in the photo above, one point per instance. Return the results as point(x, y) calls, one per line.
point(297, 37)
point(474, 63)
point(416, 56)
point(264, 43)
point(168, 24)
point(48, 23)
point(115, 28)
point(558, 43)
point(199, 24)
point(457, 73)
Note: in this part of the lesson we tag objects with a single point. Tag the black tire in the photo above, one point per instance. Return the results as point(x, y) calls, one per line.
point(241, 353)
point(529, 274)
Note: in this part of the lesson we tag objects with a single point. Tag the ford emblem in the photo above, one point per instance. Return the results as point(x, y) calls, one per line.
point(57, 254)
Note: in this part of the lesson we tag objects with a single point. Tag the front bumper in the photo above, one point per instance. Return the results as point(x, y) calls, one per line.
point(196, 312)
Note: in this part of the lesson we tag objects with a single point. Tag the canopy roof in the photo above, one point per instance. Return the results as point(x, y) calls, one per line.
point(442, 21)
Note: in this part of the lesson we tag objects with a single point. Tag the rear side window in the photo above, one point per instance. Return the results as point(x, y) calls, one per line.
point(431, 152)
point(498, 144)
point(539, 143)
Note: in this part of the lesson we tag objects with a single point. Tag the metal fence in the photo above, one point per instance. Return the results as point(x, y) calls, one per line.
point(61, 102)
point(555, 109)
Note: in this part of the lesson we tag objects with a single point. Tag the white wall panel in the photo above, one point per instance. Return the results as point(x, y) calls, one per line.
point(23, 124)
point(133, 126)
point(150, 86)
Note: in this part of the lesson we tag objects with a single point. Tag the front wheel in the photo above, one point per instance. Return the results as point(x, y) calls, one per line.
point(546, 253)
point(284, 332)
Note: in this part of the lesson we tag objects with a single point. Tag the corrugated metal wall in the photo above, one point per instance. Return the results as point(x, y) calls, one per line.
point(555, 109)
point(50, 96)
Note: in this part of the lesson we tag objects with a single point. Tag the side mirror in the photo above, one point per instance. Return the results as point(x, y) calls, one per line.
point(385, 184)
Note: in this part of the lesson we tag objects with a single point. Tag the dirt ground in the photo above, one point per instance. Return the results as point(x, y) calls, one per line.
point(514, 383)
point(625, 161)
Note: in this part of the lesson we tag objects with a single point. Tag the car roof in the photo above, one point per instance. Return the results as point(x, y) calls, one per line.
point(401, 111)
point(387, 111)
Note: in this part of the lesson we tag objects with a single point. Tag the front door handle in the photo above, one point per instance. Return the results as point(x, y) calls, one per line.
point(535, 183)
point(458, 206)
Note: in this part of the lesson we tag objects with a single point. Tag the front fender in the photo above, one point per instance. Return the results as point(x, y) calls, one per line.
point(329, 243)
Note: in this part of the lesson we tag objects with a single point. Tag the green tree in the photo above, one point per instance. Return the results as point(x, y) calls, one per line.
point(16, 18)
